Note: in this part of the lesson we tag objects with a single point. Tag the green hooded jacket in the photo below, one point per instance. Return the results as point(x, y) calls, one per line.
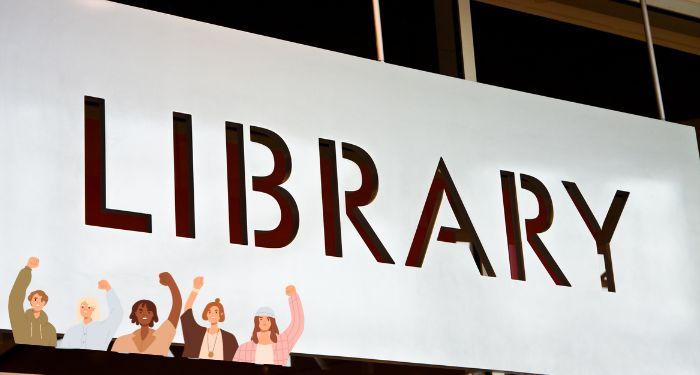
point(25, 327)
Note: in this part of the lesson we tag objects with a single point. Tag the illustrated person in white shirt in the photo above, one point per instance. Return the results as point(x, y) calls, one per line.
point(202, 342)
point(92, 333)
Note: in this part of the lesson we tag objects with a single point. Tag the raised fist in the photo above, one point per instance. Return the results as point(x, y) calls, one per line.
point(104, 285)
point(166, 279)
point(291, 290)
point(33, 262)
point(198, 282)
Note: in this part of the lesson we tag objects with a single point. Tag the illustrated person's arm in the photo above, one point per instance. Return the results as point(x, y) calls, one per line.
point(167, 280)
point(115, 309)
point(296, 327)
point(17, 294)
point(196, 286)
point(190, 328)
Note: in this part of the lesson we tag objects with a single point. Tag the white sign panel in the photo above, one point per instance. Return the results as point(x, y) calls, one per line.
point(395, 283)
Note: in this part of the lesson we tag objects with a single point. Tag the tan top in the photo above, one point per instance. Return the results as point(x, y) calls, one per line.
point(156, 343)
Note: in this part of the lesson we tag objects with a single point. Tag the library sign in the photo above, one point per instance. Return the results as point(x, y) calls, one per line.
point(419, 218)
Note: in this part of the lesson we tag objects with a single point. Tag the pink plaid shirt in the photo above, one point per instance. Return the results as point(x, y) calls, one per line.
point(285, 341)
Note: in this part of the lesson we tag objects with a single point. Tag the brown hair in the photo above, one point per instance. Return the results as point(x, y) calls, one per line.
point(150, 306)
point(218, 304)
point(44, 297)
point(274, 331)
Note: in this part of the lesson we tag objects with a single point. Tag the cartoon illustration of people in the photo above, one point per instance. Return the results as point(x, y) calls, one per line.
point(31, 326)
point(206, 343)
point(144, 313)
point(267, 345)
point(91, 333)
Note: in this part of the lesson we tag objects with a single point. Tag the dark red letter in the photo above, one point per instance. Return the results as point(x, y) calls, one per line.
point(96, 211)
point(287, 229)
point(540, 224)
point(362, 197)
point(442, 183)
point(329, 198)
point(603, 236)
point(184, 179)
point(235, 173)
point(510, 210)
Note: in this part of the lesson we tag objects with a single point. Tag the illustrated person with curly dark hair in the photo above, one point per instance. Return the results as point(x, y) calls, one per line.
point(144, 313)
point(206, 343)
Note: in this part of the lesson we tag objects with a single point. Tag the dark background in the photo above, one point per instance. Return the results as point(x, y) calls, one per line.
point(513, 50)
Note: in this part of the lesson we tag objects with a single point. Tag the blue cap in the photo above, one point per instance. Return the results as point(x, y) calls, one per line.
point(265, 311)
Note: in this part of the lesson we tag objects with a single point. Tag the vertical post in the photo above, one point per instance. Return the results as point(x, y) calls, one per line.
point(378, 30)
point(446, 31)
point(467, 38)
point(652, 60)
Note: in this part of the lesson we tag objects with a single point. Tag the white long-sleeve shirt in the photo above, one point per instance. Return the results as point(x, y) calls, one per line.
point(95, 335)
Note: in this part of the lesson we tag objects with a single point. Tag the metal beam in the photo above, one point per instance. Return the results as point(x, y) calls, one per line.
point(652, 61)
point(613, 17)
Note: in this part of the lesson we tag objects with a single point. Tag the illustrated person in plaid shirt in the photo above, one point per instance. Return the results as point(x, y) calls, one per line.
point(268, 345)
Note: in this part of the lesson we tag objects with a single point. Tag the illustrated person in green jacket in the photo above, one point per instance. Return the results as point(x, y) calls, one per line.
point(31, 326)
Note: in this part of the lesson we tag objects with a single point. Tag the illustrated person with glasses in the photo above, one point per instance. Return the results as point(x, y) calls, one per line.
point(206, 343)
point(92, 333)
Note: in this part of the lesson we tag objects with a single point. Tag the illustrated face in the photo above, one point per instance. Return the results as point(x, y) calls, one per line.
point(86, 311)
point(264, 323)
point(36, 302)
point(213, 315)
point(143, 315)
